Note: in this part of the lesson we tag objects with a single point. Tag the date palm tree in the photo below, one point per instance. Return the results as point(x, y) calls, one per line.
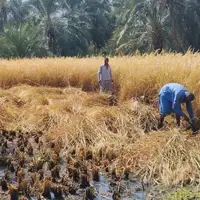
point(23, 40)
point(3, 13)
point(143, 27)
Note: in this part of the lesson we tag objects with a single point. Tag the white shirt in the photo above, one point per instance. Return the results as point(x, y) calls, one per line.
point(104, 73)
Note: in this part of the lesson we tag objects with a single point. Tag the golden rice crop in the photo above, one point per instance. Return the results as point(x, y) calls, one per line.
point(133, 76)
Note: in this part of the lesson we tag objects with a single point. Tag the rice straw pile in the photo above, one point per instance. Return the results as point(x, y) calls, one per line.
point(125, 136)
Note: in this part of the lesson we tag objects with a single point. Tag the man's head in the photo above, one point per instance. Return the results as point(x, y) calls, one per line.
point(106, 61)
point(189, 96)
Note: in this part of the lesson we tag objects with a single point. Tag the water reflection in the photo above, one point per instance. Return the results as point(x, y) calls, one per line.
point(104, 190)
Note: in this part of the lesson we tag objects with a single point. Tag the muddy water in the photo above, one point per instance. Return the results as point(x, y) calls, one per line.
point(104, 190)
point(2, 172)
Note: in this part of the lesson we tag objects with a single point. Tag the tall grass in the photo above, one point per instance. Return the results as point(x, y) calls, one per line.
point(133, 76)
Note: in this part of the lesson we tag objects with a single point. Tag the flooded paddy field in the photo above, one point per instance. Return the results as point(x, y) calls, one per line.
point(32, 168)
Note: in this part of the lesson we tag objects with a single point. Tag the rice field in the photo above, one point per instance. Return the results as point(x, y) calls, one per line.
point(54, 107)
point(133, 76)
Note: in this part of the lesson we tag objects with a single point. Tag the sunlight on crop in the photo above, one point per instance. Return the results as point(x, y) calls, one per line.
point(59, 98)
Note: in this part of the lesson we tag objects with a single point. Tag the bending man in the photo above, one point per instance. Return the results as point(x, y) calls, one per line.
point(171, 97)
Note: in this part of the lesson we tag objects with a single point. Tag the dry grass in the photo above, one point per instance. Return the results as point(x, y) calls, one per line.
point(123, 135)
point(171, 158)
point(118, 134)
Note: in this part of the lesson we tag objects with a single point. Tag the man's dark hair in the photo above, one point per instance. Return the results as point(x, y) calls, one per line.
point(106, 58)
point(190, 96)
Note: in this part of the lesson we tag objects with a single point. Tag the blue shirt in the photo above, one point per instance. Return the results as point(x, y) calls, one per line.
point(175, 93)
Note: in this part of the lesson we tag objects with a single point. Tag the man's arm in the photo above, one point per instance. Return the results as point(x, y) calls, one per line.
point(186, 118)
point(190, 110)
point(191, 114)
point(180, 113)
point(177, 108)
point(99, 74)
point(111, 74)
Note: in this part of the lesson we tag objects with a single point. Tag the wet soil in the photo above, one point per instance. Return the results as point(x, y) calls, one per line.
point(32, 167)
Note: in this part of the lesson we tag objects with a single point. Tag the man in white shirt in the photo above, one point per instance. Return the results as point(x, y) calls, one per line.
point(105, 77)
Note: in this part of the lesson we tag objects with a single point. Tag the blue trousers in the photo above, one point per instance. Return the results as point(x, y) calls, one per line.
point(165, 106)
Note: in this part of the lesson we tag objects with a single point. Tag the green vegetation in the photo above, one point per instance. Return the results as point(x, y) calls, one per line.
point(38, 28)
point(183, 194)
